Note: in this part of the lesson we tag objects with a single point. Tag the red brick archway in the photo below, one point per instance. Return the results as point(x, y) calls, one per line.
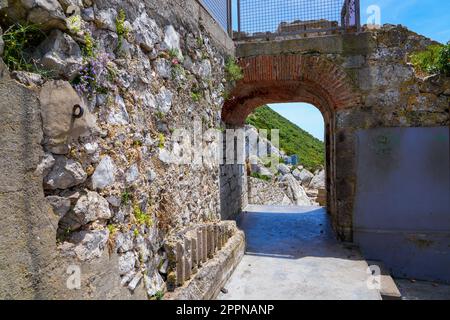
point(289, 78)
point(296, 78)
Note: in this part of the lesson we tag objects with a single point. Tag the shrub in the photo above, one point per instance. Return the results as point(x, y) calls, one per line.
point(434, 60)
point(260, 176)
point(233, 70)
point(19, 39)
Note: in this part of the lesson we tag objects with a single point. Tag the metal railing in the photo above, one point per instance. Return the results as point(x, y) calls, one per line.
point(307, 18)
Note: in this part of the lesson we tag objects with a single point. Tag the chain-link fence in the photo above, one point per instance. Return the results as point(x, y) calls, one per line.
point(221, 11)
point(265, 18)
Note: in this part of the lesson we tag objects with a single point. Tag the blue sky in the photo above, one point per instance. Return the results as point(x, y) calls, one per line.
point(428, 17)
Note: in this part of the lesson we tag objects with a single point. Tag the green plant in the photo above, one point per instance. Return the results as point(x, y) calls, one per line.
point(233, 71)
point(260, 176)
point(126, 197)
point(142, 218)
point(74, 23)
point(162, 140)
point(173, 53)
point(121, 29)
point(112, 228)
point(196, 96)
point(434, 60)
point(444, 59)
point(159, 295)
point(89, 46)
point(136, 232)
point(19, 39)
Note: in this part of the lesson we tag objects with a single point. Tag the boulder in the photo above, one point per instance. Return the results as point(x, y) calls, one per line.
point(89, 244)
point(104, 174)
point(58, 99)
point(283, 169)
point(318, 182)
point(304, 176)
point(106, 19)
point(163, 68)
point(294, 190)
point(92, 207)
point(60, 54)
point(48, 14)
point(65, 173)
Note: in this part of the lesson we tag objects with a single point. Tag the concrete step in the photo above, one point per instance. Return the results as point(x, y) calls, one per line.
point(389, 290)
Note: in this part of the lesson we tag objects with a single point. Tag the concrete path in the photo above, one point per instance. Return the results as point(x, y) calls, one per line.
point(293, 254)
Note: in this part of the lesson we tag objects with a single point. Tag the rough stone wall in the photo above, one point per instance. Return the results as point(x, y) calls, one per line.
point(115, 196)
point(356, 80)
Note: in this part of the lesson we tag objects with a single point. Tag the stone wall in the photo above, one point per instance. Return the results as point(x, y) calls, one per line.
point(84, 145)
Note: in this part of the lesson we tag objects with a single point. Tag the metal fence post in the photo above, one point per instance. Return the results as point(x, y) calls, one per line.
point(229, 19)
point(358, 15)
point(239, 16)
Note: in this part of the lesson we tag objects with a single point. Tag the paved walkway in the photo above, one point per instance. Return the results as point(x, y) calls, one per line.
point(292, 254)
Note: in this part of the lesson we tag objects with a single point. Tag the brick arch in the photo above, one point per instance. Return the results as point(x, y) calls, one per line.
point(289, 78)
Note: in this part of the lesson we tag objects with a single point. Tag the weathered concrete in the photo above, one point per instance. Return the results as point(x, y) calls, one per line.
point(423, 290)
point(293, 254)
point(210, 279)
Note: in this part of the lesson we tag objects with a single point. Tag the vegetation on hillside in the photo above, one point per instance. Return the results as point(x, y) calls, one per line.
point(293, 139)
point(434, 60)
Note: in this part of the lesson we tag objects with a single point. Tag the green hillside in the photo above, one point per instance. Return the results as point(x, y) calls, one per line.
point(293, 139)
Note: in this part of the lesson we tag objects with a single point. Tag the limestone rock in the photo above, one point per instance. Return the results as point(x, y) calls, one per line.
point(119, 114)
point(92, 207)
point(283, 169)
point(146, 32)
point(58, 99)
point(127, 262)
point(294, 190)
point(29, 79)
point(66, 173)
point(132, 174)
point(48, 14)
point(60, 205)
point(163, 68)
point(124, 242)
point(61, 54)
point(90, 244)
point(104, 174)
point(45, 165)
point(154, 283)
point(164, 100)
point(318, 182)
point(202, 69)
point(304, 176)
point(106, 19)
point(172, 40)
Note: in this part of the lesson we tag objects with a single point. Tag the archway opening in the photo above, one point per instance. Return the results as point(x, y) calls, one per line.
point(285, 155)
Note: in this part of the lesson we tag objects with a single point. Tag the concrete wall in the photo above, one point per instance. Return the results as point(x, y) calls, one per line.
point(402, 205)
